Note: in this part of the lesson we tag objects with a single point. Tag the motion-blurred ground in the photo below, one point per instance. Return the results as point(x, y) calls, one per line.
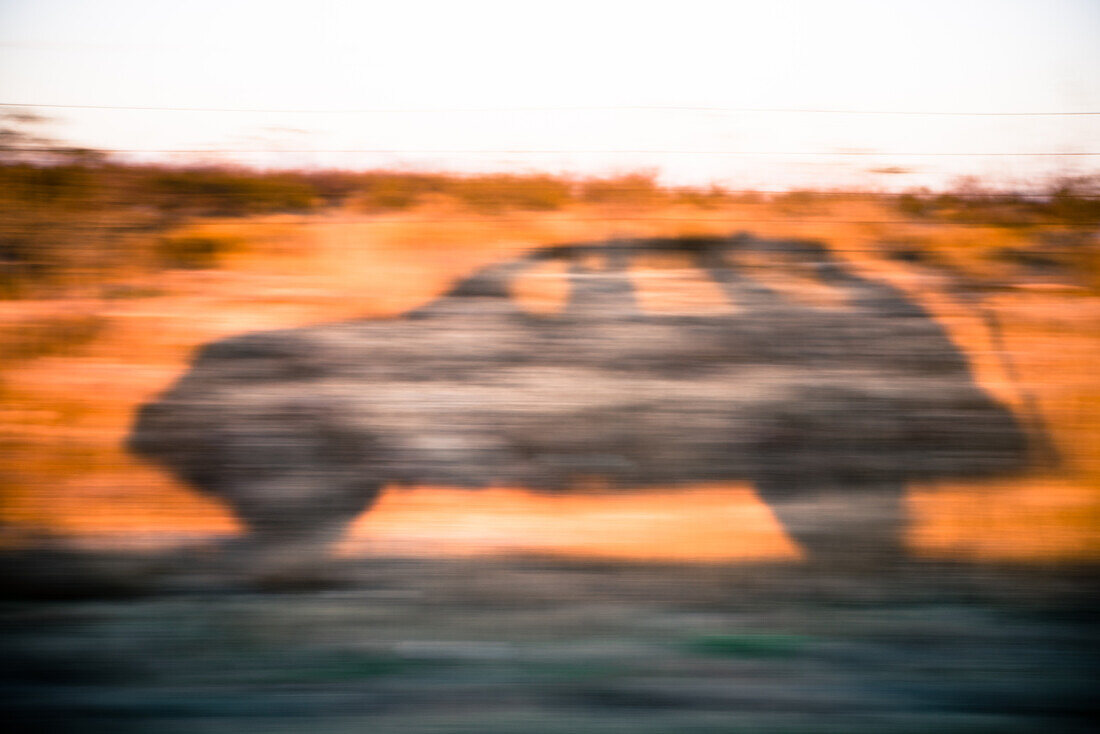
point(1023, 302)
point(664, 612)
point(541, 645)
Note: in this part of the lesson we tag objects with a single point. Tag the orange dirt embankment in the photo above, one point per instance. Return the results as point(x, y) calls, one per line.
point(65, 412)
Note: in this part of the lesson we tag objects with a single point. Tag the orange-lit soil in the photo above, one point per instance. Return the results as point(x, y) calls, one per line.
point(64, 416)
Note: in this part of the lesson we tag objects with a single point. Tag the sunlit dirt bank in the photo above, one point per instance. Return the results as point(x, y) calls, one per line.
point(1030, 333)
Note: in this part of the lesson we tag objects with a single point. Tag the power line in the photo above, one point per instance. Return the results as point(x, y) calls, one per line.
point(578, 108)
point(549, 151)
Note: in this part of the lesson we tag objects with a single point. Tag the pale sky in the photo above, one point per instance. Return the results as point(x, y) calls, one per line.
point(426, 79)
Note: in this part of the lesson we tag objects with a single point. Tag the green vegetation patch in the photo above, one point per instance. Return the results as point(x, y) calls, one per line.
point(747, 645)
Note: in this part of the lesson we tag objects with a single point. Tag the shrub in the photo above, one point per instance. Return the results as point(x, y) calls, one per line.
point(192, 251)
point(393, 191)
point(495, 192)
point(58, 224)
point(634, 189)
point(912, 205)
point(1076, 200)
point(1070, 200)
point(800, 202)
point(711, 197)
point(225, 192)
point(44, 336)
